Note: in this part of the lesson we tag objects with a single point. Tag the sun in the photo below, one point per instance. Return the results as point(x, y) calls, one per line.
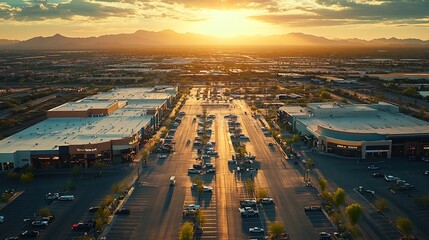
point(225, 23)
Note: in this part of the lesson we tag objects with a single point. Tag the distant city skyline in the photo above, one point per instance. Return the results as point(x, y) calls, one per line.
point(364, 19)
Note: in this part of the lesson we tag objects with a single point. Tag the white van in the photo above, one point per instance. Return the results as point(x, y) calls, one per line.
point(172, 180)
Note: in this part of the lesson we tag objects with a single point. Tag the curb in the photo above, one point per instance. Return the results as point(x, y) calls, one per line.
point(3, 205)
point(113, 217)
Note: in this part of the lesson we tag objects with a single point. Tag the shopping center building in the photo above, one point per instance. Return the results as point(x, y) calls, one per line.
point(96, 128)
point(359, 130)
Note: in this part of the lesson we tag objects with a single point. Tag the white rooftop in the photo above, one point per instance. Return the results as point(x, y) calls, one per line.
point(83, 105)
point(132, 94)
point(54, 132)
point(384, 123)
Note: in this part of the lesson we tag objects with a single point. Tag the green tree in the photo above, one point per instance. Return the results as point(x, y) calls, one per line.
point(99, 166)
point(70, 185)
point(76, 171)
point(295, 138)
point(310, 163)
point(26, 178)
point(107, 201)
point(261, 193)
point(186, 231)
point(339, 197)
point(380, 204)
point(200, 218)
point(44, 212)
point(250, 186)
point(410, 91)
point(404, 225)
point(354, 212)
point(276, 229)
point(322, 184)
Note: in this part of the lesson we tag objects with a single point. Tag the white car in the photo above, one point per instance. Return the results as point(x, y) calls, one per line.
point(303, 161)
point(390, 178)
point(256, 230)
point(66, 198)
point(192, 207)
point(372, 192)
point(207, 189)
point(1, 219)
point(162, 156)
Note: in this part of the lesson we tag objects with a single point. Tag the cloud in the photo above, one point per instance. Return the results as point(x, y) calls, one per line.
point(346, 12)
point(224, 4)
point(42, 9)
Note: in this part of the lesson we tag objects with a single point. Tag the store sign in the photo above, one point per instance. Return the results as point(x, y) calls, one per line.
point(348, 147)
point(86, 149)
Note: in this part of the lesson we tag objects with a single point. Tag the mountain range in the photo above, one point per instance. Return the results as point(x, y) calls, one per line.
point(144, 39)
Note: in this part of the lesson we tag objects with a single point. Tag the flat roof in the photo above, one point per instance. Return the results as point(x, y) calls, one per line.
point(131, 94)
point(294, 110)
point(384, 123)
point(83, 105)
point(54, 132)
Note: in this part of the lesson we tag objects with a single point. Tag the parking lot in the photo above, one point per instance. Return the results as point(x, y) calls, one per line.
point(89, 192)
point(352, 174)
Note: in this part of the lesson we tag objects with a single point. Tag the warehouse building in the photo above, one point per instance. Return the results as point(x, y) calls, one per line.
point(93, 129)
point(359, 130)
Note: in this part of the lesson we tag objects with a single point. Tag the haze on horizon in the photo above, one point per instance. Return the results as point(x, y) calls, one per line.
point(364, 19)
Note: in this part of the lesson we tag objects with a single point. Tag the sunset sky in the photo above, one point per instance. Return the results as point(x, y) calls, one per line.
point(365, 19)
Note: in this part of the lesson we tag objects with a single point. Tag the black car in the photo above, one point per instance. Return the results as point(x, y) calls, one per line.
point(29, 234)
point(123, 211)
point(93, 209)
point(378, 175)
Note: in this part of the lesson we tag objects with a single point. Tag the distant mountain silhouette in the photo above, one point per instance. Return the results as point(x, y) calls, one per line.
point(142, 39)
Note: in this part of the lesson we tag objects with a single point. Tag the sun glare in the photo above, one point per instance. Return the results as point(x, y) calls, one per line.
point(225, 24)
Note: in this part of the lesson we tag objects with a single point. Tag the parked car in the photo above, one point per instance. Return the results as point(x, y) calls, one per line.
point(373, 167)
point(256, 230)
point(66, 198)
point(123, 211)
point(426, 172)
point(83, 226)
point(52, 196)
point(29, 234)
point(40, 223)
point(324, 235)
point(1, 219)
point(312, 208)
point(378, 175)
point(193, 171)
point(94, 209)
point(248, 203)
point(390, 178)
point(193, 207)
point(207, 189)
point(372, 192)
point(267, 201)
